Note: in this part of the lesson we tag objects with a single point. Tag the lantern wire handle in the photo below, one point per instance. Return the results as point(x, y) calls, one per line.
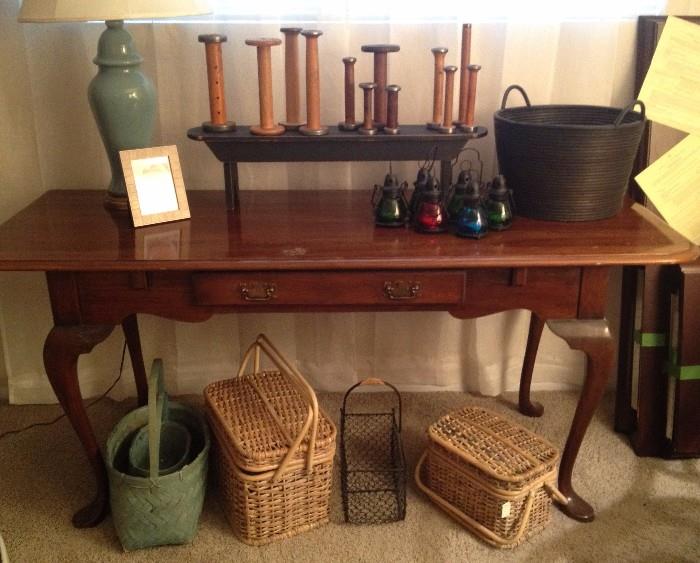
point(430, 160)
point(478, 157)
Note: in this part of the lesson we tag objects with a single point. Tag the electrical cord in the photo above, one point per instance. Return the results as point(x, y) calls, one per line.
point(55, 420)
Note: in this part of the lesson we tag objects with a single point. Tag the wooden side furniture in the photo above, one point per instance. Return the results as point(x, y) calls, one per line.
point(658, 386)
point(315, 251)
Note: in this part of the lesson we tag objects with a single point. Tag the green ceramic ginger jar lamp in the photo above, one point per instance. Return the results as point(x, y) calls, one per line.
point(122, 98)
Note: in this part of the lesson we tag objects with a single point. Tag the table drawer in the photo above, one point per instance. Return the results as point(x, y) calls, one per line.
point(328, 288)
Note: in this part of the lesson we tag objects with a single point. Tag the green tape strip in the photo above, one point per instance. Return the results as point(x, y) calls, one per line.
point(650, 339)
point(684, 373)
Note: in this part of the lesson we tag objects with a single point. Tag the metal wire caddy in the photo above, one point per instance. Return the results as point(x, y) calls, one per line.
point(373, 466)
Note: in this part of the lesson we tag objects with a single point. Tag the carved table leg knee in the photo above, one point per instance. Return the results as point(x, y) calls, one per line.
point(594, 339)
point(133, 341)
point(61, 350)
point(526, 406)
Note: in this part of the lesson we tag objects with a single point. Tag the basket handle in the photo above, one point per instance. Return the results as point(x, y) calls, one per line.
point(556, 494)
point(374, 381)
point(262, 343)
point(468, 520)
point(157, 411)
point(628, 109)
point(520, 89)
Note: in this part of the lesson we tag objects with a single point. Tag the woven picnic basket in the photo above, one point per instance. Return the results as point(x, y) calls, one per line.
point(273, 449)
point(493, 476)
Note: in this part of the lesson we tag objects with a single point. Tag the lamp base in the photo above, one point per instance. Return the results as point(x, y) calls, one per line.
point(122, 100)
point(116, 203)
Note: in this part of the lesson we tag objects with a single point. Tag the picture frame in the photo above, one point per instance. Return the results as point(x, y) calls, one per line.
point(154, 185)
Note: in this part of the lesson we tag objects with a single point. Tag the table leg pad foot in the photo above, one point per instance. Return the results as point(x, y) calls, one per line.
point(578, 509)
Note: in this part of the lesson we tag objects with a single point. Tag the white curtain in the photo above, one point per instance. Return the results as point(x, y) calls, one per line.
point(50, 141)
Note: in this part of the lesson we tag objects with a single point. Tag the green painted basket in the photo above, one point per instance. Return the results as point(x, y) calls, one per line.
point(158, 509)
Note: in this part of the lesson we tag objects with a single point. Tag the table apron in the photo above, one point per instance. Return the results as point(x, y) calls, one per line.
point(110, 297)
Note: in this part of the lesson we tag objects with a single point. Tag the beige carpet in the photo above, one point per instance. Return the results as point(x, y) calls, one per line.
point(648, 509)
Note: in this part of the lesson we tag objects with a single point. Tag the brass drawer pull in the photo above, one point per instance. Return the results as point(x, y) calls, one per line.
point(258, 291)
point(402, 290)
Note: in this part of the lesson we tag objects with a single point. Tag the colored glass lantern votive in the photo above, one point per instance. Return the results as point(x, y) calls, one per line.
point(498, 208)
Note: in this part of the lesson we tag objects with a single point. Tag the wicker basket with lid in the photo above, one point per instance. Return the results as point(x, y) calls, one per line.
point(274, 449)
point(493, 476)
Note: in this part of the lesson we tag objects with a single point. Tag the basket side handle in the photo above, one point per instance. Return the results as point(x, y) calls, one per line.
point(628, 109)
point(264, 344)
point(556, 494)
point(156, 408)
point(374, 381)
point(255, 348)
point(510, 88)
point(468, 520)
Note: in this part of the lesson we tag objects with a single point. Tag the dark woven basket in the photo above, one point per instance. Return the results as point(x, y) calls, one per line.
point(567, 162)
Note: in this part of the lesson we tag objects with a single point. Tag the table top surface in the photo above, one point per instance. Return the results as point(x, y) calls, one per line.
point(66, 230)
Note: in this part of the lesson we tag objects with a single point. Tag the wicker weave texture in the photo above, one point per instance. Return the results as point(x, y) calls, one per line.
point(506, 453)
point(274, 449)
point(166, 510)
point(259, 442)
point(492, 475)
point(456, 485)
point(261, 511)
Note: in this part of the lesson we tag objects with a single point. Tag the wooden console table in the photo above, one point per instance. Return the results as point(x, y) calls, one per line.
point(317, 251)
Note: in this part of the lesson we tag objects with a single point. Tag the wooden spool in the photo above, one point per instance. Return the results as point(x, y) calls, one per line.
point(471, 99)
point(313, 87)
point(438, 86)
point(291, 78)
point(267, 126)
point(381, 53)
point(447, 126)
point(464, 73)
point(349, 124)
point(215, 79)
point(367, 127)
point(392, 109)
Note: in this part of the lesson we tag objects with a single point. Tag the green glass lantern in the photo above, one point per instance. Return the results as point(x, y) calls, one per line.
point(390, 205)
point(498, 207)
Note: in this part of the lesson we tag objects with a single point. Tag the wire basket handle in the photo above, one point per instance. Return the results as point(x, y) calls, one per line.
point(520, 89)
point(628, 109)
point(374, 381)
point(281, 363)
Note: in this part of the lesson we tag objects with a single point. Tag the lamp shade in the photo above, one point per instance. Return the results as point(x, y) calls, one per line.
point(94, 10)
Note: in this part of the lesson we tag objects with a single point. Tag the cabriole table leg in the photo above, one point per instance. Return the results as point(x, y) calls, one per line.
point(525, 405)
point(63, 346)
point(594, 339)
point(133, 341)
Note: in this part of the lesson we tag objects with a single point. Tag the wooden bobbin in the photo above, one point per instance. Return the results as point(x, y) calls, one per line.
point(447, 126)
point(349, 124)
point(367, 127)
point(471, 99)
point(267, 126)
point(291, 78)
point(215, 79)
point(381, 53)
point(464, 73)
point(438, 86)
point(392, 109)
point(313, 88)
